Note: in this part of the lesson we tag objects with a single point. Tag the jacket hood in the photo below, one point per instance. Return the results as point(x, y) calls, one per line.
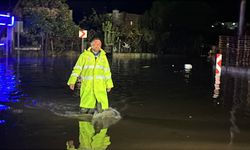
point(101, 53)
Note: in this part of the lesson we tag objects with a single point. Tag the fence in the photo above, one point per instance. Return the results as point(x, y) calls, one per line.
point(236, 52)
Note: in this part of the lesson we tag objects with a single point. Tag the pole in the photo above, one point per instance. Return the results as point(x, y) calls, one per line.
point(18, 41)
point(82, 45)
point(217, 75)
point(242, 19)
point(9, 41)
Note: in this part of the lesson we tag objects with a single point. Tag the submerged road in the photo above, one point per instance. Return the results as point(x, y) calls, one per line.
point(163, 106)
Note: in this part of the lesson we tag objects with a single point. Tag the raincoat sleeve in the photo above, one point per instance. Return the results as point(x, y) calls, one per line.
point(109, 82)
point(77, 70)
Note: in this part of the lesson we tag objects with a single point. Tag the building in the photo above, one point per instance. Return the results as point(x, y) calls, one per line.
point(124, 18)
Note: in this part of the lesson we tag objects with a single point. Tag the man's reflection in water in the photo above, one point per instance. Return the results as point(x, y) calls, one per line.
point(90, 137)
point(93, 133)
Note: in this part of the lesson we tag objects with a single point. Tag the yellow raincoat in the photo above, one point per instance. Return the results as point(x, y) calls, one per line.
point(95, 78)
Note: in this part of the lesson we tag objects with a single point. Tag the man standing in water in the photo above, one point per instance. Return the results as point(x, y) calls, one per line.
point(93, 68)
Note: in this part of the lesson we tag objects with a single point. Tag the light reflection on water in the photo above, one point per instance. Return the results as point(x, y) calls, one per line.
point(234, 97)
point(4, 107)
point(10, 93)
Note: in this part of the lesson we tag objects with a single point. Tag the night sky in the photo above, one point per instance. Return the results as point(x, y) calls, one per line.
point(136, 6)
point(226, 10)
point(83, 7)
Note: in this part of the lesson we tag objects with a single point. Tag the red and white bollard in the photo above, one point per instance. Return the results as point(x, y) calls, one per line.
point(217, 75)
point(218, 64)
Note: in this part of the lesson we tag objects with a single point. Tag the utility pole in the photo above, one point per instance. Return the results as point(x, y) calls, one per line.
point(241, 31)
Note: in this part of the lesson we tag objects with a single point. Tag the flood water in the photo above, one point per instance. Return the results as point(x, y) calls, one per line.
point(163, 106)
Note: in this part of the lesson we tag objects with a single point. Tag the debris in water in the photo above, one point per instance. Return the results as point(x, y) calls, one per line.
point(106, 118)
point(145, 67)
